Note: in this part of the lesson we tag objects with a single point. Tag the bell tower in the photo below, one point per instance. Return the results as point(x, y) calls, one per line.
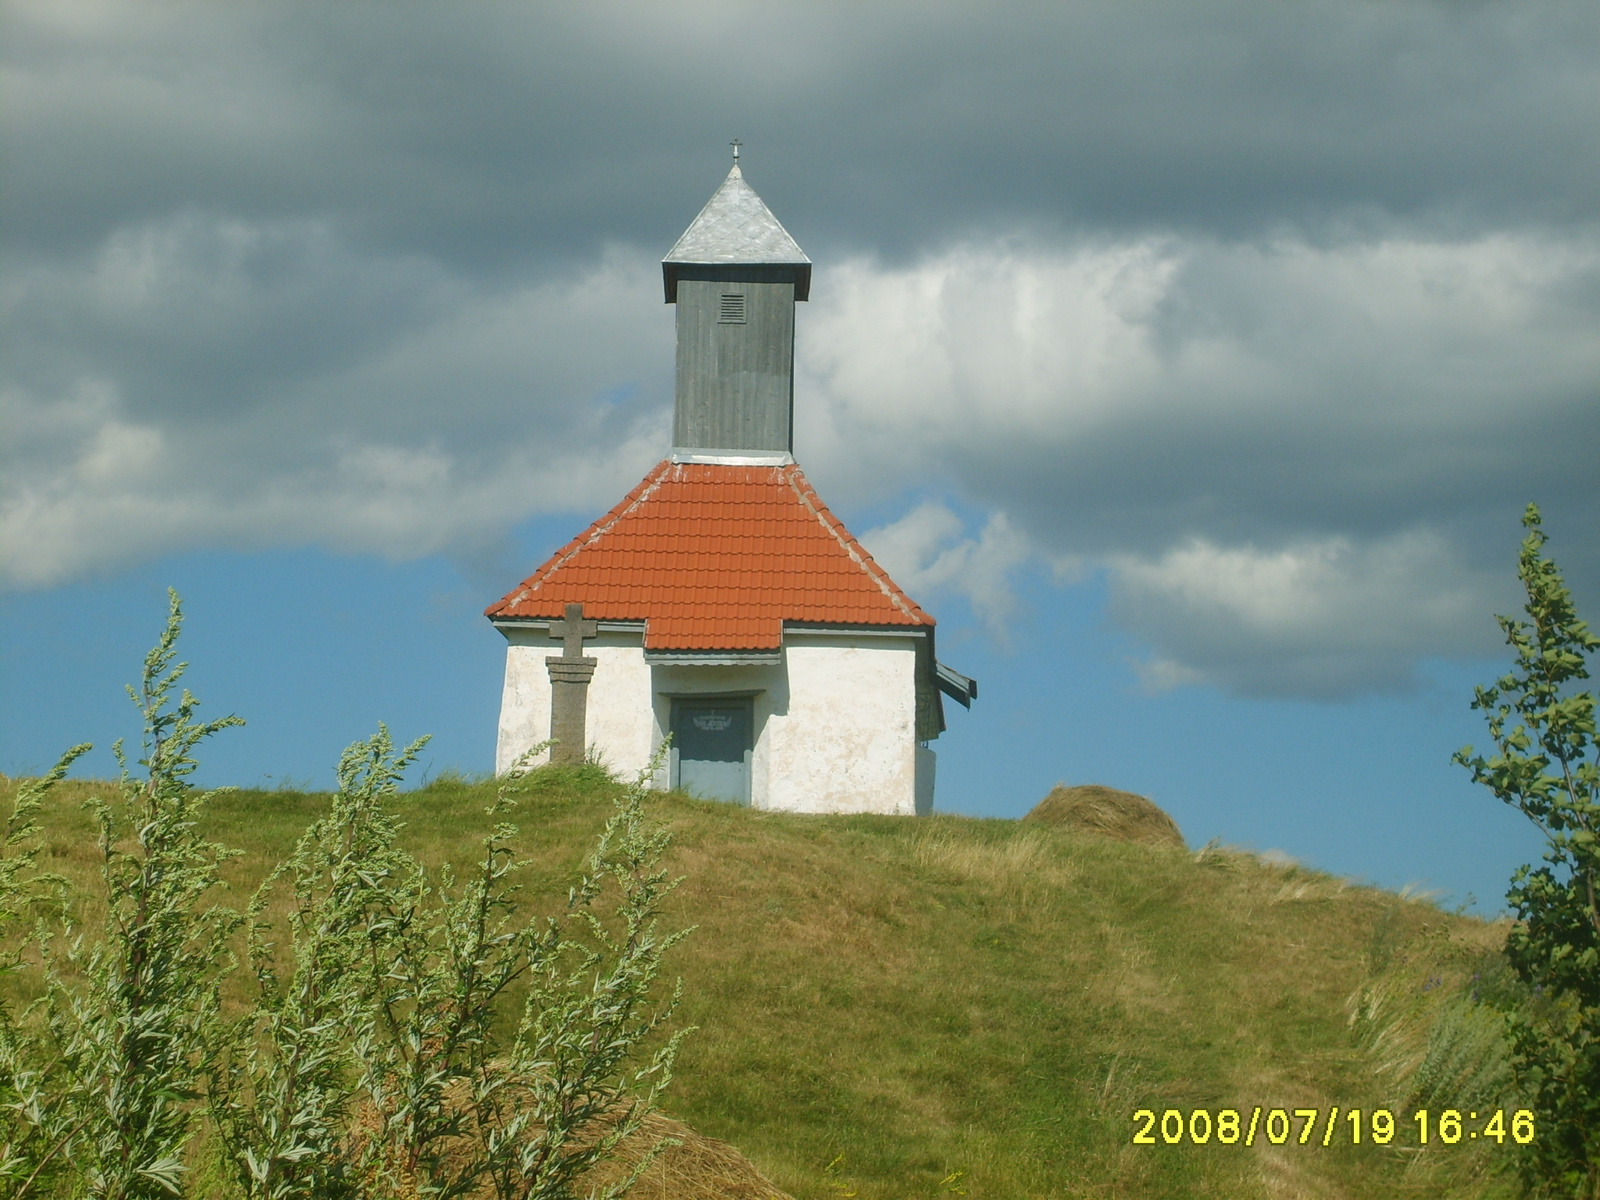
point(735, 276)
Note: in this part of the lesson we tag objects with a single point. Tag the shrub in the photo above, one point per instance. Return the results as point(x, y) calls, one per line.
point(371, 1061)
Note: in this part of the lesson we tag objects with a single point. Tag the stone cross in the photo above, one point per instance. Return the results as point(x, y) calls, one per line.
point(574, 631)
point(570, 673)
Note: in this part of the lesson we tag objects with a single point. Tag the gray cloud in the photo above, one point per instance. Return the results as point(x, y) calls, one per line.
point(1301, 295)
point(481, 407)
point(508, 133)
point(1324, 619)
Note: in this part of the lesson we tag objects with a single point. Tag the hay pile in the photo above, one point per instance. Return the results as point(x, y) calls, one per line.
point(1109, 813)
point(700, 1169)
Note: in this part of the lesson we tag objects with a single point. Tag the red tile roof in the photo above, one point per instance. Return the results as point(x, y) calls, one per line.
point(716, 557)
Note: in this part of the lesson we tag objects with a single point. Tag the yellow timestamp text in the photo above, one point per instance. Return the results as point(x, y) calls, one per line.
point(1330, 1126)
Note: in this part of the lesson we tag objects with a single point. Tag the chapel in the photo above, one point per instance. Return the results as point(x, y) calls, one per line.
point(720, 601)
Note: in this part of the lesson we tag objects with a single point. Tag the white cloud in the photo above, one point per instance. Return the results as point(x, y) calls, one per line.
point(982, 343)
point(928, 551)
point(1290, 457)
point(987, 358)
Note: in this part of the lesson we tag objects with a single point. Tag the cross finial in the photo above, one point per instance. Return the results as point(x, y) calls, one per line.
point(736, 143)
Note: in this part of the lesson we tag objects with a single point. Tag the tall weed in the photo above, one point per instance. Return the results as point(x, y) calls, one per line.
point(35, 1125)
point(281, 1085)
point(129, 1013)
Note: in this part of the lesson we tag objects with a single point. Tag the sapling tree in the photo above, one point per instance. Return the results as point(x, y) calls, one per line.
point(132, 1037)
point(1547, 765)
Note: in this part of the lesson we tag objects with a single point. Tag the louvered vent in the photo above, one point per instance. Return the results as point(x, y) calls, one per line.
point(731, 310)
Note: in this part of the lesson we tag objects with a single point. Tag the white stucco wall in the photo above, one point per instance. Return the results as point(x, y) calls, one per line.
point(620, 724)
point(835, 720)
point(846, 741)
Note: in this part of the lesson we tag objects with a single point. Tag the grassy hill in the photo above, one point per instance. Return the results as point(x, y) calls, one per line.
point(893, 1007)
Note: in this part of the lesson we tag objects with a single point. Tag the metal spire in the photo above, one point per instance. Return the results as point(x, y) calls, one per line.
point(736, 143)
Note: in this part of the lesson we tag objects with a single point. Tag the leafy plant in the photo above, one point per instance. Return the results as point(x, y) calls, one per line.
point(440, 959)
point(35, 1127)
point(376, 1069)
point(381, 1065)
point(577, 1055)
point(282, 1086)
point(132, 1039)
point(1547, 767)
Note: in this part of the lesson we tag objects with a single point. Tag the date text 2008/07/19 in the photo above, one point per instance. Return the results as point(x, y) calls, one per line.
point(1330, 1126)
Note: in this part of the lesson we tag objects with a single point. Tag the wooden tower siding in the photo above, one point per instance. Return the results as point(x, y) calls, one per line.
point(735, 380)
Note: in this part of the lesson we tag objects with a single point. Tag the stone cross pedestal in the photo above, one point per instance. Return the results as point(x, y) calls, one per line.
point(570, 673)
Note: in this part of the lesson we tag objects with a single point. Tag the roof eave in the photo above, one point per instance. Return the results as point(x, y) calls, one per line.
point(669, 276)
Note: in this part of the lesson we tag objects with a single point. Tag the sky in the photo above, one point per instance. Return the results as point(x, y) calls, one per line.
point(1192, 363)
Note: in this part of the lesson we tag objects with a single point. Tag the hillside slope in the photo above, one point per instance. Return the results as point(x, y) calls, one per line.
point(894, 1007)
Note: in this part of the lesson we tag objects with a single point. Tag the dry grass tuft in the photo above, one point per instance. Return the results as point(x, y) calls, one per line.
point(689, 1167)
point(1310, 886)
point(1106, 811)
point(1005, 860)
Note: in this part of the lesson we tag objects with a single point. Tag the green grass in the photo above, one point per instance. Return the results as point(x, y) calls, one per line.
point(894, 1007)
